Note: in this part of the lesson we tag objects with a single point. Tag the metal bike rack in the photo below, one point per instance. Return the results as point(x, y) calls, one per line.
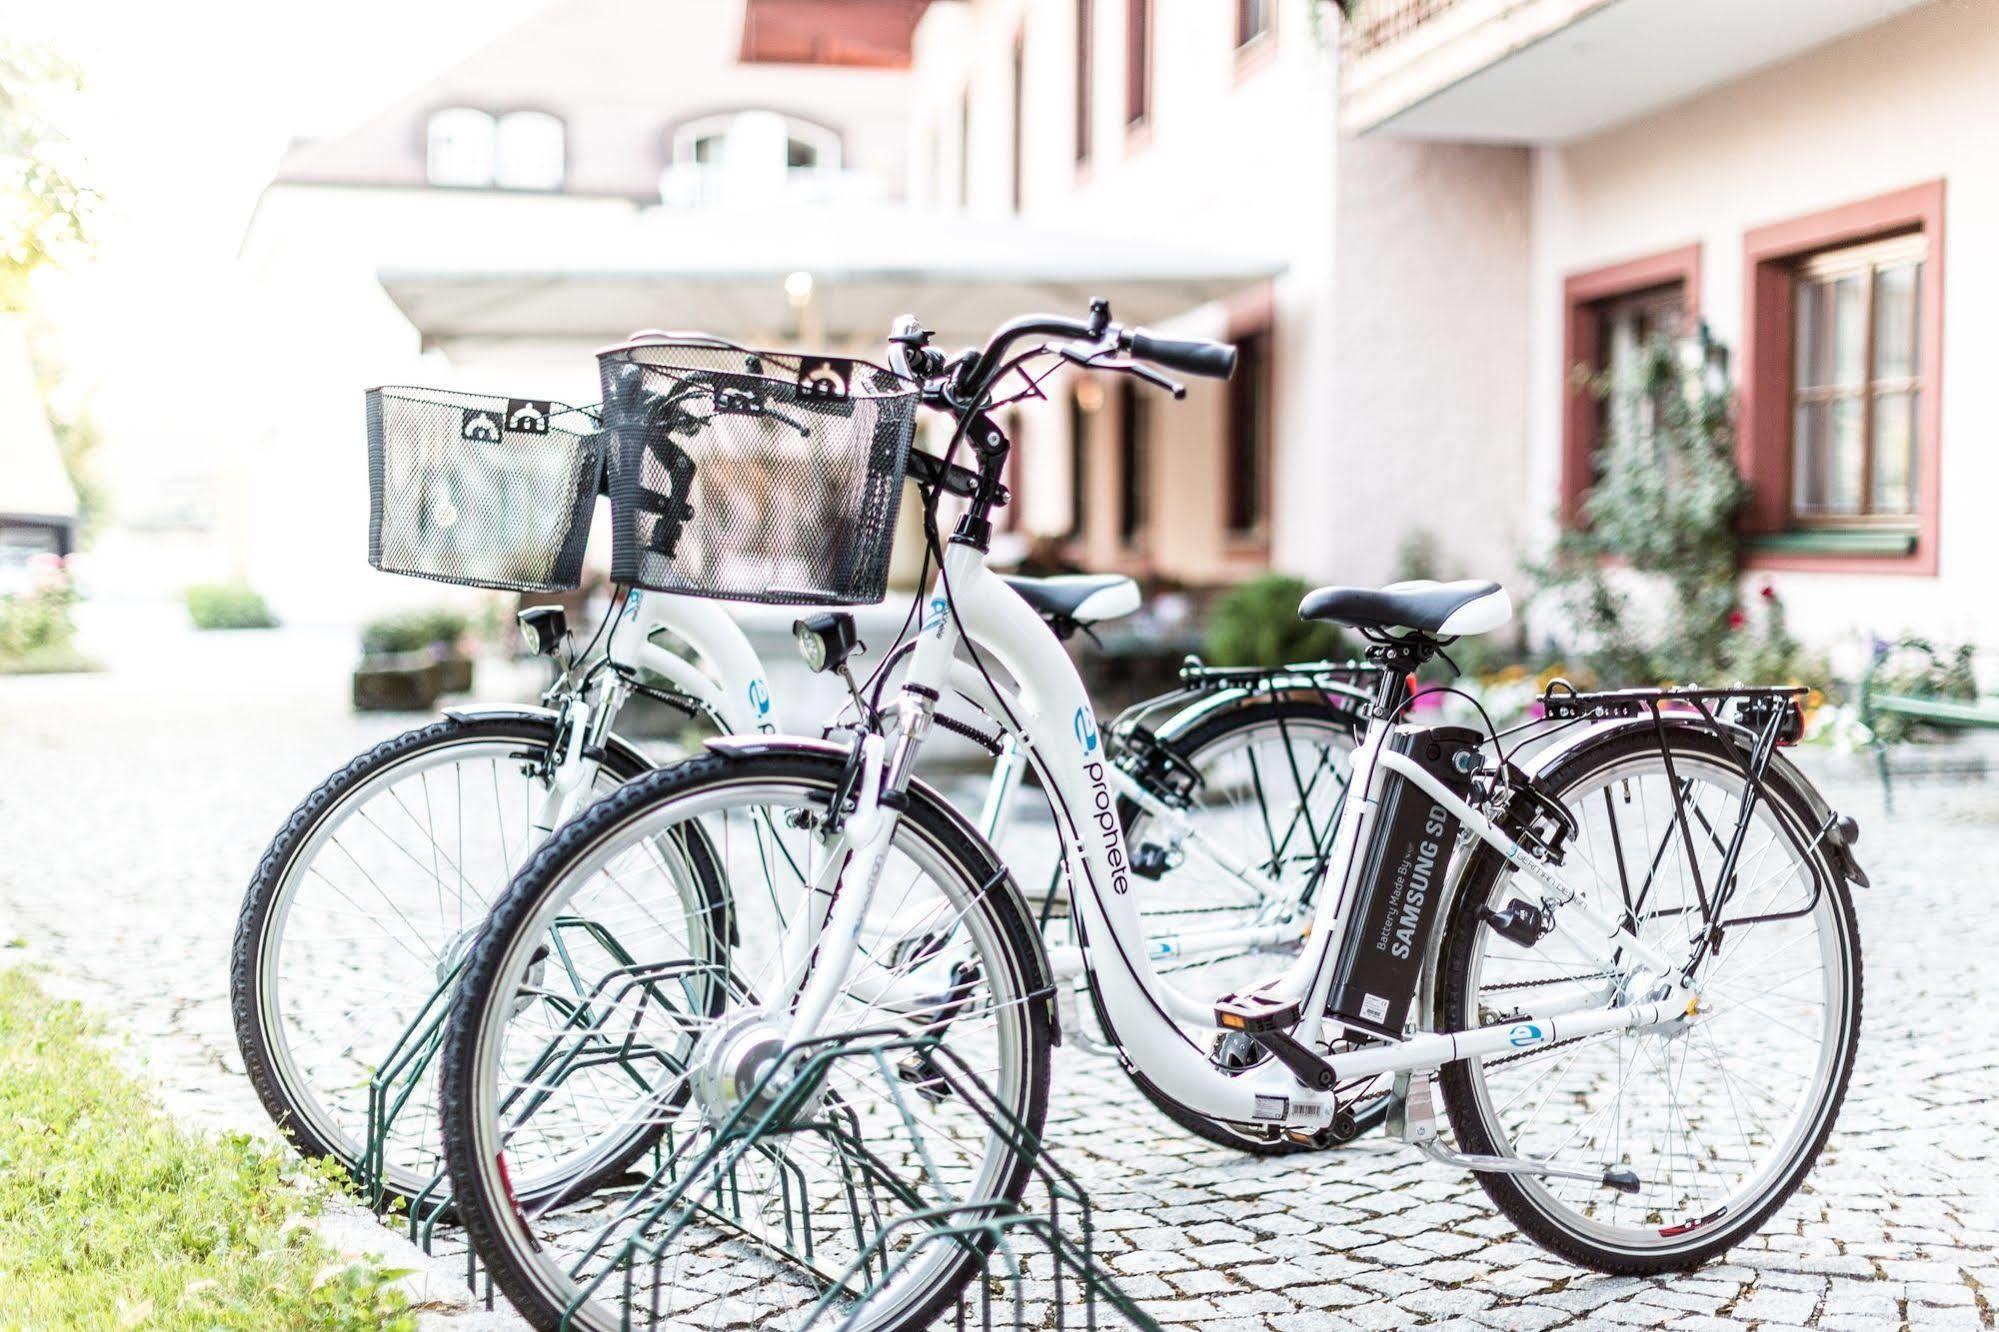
point(1036, 1262)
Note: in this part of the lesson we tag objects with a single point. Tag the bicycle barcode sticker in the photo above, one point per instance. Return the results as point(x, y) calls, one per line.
point(1373, 1008)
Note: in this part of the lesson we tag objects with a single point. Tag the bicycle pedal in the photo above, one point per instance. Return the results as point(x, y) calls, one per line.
point(1253, 1012)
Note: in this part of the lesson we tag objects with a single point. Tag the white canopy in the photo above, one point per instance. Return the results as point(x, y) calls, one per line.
point(738, 273)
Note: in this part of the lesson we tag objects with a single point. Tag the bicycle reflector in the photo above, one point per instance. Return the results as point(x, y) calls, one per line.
point(825, 641)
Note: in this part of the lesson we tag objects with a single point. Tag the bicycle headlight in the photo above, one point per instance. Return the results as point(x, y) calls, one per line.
point(825, 640)
point(543, 628)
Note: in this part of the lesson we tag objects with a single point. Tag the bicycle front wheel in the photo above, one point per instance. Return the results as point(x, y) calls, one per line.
point(1720, 1114)
point(739, 1220)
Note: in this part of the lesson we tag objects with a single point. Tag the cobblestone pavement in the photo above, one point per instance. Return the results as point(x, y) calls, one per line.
point(133, 805)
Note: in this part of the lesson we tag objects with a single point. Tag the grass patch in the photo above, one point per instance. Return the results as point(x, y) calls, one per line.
point(53, 660)
point(114, 1217)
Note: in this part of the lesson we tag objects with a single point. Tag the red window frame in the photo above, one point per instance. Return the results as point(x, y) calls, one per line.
point(1770, 258)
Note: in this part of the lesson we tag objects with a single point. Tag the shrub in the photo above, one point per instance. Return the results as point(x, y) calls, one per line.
point(228, 606)
point(1921, 669)
point(37, 629)
point(1257, 624)
point(413, 631)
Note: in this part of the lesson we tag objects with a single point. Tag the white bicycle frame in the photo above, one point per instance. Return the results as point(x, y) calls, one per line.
point(717, 640)
point(749, 706)
point(1052, 723)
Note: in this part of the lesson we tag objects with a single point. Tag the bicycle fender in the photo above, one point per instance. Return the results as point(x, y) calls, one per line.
point(528, 712)
point(1042, 981)
point(1208, 705)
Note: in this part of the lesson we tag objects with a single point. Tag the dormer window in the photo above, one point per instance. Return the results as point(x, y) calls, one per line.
point(460, 147)
point(516, 150)
point(746, 156)
point(530, 151)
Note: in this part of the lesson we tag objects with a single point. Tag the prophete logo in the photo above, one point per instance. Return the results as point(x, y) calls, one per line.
point(1526, 1033)
point(760, 697)
point(1086, 730)
point(933, 620)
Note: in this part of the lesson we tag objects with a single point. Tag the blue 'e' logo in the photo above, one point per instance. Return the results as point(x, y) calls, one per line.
point(760, 697)
point(1524, 1034)
point(1086, 730)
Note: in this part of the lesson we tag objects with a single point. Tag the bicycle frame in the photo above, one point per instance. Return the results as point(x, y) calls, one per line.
point(1052, 723)
point(720, 644)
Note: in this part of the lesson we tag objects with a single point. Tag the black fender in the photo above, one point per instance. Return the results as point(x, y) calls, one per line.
point(1041, 981)
point(612, 740)
point(1345, 699)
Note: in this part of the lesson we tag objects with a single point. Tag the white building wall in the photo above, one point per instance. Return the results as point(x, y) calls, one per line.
point(1909, 101)
point(1400, 329)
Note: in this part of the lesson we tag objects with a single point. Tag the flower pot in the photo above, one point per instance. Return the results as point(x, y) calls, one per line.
point(396, 682)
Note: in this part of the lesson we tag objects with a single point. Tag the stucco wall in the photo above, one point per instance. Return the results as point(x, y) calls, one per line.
point(1237, 158)
point(1909, 101)
point(1430, 360)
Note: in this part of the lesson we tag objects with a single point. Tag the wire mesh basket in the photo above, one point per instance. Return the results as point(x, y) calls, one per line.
point(754, 476)
point(479, 490)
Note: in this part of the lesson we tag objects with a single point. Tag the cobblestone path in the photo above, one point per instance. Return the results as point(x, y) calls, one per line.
point(133, 805)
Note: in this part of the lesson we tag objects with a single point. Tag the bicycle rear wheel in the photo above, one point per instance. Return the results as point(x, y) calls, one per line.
point(1720, 1114)
point(356, 920)
point(736, 1222)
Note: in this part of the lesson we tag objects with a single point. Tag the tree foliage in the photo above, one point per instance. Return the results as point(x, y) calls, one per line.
point(44, 208)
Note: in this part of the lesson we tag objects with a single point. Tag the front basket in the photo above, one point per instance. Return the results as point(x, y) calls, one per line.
point(754, 476)
point(482, 491)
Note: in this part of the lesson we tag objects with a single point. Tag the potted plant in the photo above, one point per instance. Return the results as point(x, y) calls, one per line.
point(410, 658)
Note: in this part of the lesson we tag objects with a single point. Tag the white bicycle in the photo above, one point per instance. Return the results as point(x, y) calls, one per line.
point(359, 916)
point(1632, 967)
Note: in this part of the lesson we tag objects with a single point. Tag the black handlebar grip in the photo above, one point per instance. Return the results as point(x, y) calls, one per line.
point(1195, 356)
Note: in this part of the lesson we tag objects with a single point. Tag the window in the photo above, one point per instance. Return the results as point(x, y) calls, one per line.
point(1246, 487)
point(1609, 314)
point(748, 156)
point(1079, 460)
point(459, 147)
point(1839, 428)
point(1254, 19)
point(1624, 324)
point(965, 147)
point(528, 151)
point(1086, 18)
point(1138, 62)
point(1856, 383)
point(1134, 462)
point(1017, 166)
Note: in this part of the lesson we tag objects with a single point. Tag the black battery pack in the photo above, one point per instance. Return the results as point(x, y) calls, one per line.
point(1398, 900)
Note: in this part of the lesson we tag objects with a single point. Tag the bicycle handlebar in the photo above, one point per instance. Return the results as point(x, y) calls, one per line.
point(1190, 356)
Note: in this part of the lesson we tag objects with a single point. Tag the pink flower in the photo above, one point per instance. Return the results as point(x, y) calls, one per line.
point(1736, 619)
point(1769, 592)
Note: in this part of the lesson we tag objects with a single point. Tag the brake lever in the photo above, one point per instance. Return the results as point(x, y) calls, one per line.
point(1154, 378)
